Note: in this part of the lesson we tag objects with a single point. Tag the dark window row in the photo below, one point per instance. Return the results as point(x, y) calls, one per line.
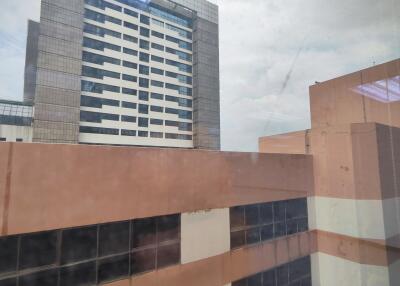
point(131, 39)
point(182, 44)
point(181, 89)
point(90, 101)
point(101, 4)
point(183, 33)
point(98, 87)
point(99, 73)
point(259, 222)
point(99, 45)
point(295, 273)
point(182, 55)
point(99, 31)
point(180, 77)
point(178, 136)
point(181, 101)
point(15, 120)
point(182, 126)
point(97, 117)
point(99, 59)
point(182, 67)
point(90, 255)
point(183, 114)
point(101, 18)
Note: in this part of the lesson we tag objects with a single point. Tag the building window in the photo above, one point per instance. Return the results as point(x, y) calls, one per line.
point(130, 52)
point(129, 65)
point(98, 130)
point(131, 13)
point(125, 118)
point(157, 83)
point(76, 256)
point(154, 121)
point(143, 95)
point(178, 136)
point(297, 272)
point(131, 26)
point(157, 96)
point(144, 57)
point(143, 122)
point(99, 45)
point(144, 44)
point(129, 78)
point(91, 101)
point(157, 46)
point(131, 133)
point(144, 69)
point(156, 135)
point(144, 32)
point(143, 108)
point(130, 105)
point(157, 59)
point(144, 19)
point(157, 71)
point(2, 139)
point(155, 108)
point(19, 140)
point(131, 39)
point(259, 222)
point(129, 91)
point(144, 82)
point(143, 134)
point(157, 34)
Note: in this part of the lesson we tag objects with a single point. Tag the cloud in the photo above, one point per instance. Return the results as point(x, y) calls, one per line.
point(13, 32)
point(272, 51)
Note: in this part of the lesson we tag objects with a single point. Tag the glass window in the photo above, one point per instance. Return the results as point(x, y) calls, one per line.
point(113, 268)
point(157, 83)
point(78, 244)
point(98, 130)
point(144, 32)
point(130, 52)
point(143, 95)
point(143, 108)
point(157, 96)
point(129, 78)
point(157, 34)
point(144, 57)
point(80, 274)
point(143, 261)
point(43, 278)
point(130, 105)
point(155, 108)
point(131, 39)
point(143, 133)
point(129, 91)
point(129, 65)
point(99, 45)
point(144, 44)
point(99, 31)
point(99, 59)
point(157, 22)
point(131, 13)
point(125, 132)
point(143, 122)
point(114, 237)
point(156, 135)
point(143, 82)
point(144, 19)
point(131, 26)
point(157, 59)
point(154, 121)
point(157, 71)
point(8, 254)
point(38, 249)
point(144, 69)
point(157, 46)
point(126, 118)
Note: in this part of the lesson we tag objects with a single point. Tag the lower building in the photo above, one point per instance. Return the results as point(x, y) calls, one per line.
point(16, 119)
point(323, 211)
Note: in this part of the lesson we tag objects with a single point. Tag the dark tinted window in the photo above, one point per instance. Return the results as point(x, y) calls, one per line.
point(113, 238)
point(113, 268)
point(8, 282)
point(143, 260)
point(78, 275)
point(168, 228)
point(8, 254)
point(44, 278)
point(79, 244)
point(144, 232)
point(38, 250)
point(168, 255)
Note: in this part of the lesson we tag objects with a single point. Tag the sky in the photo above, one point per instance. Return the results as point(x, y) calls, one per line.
point(271, 51)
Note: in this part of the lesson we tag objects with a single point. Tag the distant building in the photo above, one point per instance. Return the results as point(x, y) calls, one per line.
point(16, 120)
point(125, 72)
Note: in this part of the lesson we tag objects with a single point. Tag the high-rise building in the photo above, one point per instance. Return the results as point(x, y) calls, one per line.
point(125, 72)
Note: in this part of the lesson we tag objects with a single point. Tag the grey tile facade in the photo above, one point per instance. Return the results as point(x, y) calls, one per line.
point(31, 61)
point(59, 61)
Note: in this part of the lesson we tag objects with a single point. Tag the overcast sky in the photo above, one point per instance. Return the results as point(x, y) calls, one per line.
point(271, 52)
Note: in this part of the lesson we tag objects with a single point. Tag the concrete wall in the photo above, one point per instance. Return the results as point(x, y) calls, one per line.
point(13, 132)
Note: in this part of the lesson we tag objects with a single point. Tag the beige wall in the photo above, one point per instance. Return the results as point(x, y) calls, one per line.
point(204, 234)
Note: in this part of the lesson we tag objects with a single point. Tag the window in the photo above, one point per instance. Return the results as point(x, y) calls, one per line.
point(143, 82)
point(157, 34)
point(143, 108)
point(129, 78)
point(144, 19)
point(154, 121)
point(90, 101)
point(157, 83)
point(2, 139)
point(129, 91)
point(157, 46)
point(156, 135)
point(99, 17)
point(143, 95)
point(157, 59)
point(143, 133)
point(183, 33)
point(155, 108)
point(157, 96)
point(178, 136)
point(129, 65)
point(98, 130)
point(144, 69)
point(182, 126)
point(130, 52)
point(78, 255)
point(131, 26)
point(182, 78)
point(130, 38)
point(126, 118)
point(103, 5)
point(157, 22)
point(167, 15)
point(98, 87)
point(19, 140)
point(180, 66)
point(182, 55)
point(181, 89)
point(130, 105)
point(144, 44)
point(131, 13)
point(143, 122)
point(144, 32)
point(78, 244)
point(182, 44)
point(259, 222)
point(98, 73)
point(144, 57)
point(181, 101)
point(157, 71)
point(183, 114)
point(297, 272)
point(97, 117)
point(125, 132)
point(99, 59)
point(99, 31)
point(99, 45)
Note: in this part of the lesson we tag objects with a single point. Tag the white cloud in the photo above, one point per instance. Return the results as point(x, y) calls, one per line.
point(14, 16)
point(259, 43)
